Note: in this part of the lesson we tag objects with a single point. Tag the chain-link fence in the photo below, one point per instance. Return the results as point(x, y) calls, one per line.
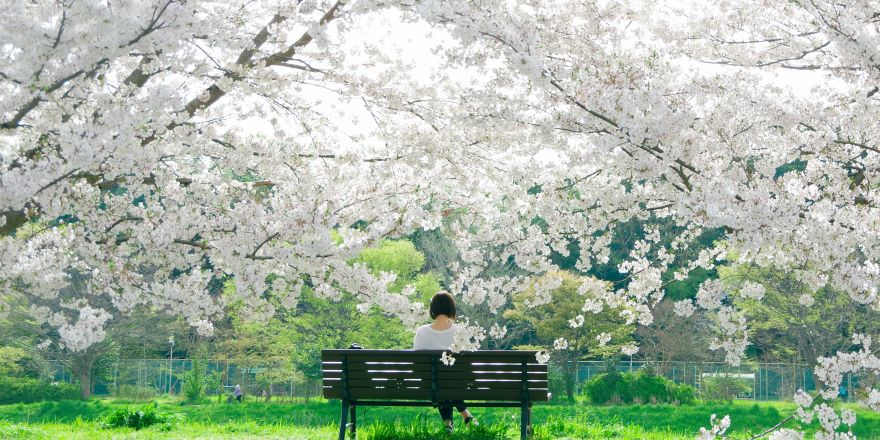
point(151, 377)
point(143, 378)
point(753, 381)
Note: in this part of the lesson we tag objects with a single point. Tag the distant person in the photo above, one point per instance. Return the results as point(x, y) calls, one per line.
point(237, 393)
point(439, 335)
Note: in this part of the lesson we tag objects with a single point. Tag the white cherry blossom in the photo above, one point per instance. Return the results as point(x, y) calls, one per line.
point(684, 308)
point(629, 349)
point(497, 332)
point(560, 344)
point(542, 356)
point(806, 300)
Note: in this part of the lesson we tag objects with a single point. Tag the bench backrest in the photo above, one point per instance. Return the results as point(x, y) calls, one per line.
point(420, 375)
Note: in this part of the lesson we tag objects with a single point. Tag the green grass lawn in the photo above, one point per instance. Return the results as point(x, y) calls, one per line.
point(318, 419)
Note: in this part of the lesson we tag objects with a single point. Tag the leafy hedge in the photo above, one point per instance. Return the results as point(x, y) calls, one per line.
point(640, 387)
point(27, 390)
point(139, 418)
point(725, 388)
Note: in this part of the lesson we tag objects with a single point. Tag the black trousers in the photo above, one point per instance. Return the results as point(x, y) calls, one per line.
point(446, 408)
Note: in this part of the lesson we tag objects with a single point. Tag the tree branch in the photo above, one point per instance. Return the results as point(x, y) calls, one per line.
point(578, 180)
point(193, 243)
point(122, 220)
point(32, 104)
point(856, 144)
point(213, 93)
point(772, 428)
point(253, 255)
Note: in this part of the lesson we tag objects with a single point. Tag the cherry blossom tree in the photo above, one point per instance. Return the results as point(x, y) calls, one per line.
point(158, 148)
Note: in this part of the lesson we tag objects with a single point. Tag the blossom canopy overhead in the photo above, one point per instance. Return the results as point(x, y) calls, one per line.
point(150, 150)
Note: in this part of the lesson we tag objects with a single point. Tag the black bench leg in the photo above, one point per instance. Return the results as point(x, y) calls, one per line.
point(523, 422)
point(529, 429)
point(343, 419)
point(353, 415)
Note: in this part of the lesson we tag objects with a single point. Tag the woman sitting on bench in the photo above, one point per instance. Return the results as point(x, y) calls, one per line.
point(439, 335)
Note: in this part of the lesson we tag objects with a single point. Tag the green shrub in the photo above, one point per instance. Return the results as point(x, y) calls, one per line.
point(195, 381)
point(646, 388)
point(556, 383)
point(134, 392)
point(725, 387)
point(27, 390)
point(138, 417)
point(605, 387)
point(640, 387)
point(681, 393)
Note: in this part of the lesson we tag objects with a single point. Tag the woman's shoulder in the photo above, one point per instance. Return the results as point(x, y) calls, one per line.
point(427, 328)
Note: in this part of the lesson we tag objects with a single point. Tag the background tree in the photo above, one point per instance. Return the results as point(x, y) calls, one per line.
point(791, 322)
point(672, 338)
point(289, 344)
point(595, 335)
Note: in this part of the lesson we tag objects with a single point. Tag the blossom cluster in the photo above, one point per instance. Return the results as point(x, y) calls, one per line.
point(831, 372)
point(718, 427)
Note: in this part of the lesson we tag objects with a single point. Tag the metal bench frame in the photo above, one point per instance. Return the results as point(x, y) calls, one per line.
point(337, 371)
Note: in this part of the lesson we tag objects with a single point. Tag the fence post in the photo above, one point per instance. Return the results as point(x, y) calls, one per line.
point(766, 385)
point(849, 386)
point(781, 383)
point(755, 386)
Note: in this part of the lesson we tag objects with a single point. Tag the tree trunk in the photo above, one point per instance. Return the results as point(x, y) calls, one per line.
point(81, 364)
point(85, 382)
point(570, 369)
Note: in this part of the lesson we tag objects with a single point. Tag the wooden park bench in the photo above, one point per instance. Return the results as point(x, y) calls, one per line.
point(419, 378)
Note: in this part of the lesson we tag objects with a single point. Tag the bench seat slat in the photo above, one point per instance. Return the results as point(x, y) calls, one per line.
point(458, 367)
point(424, 356)
point(443, 394)
point(419, 373)
point(442, 384)
point(384, 374)
point(427, 376)
point(426, 360)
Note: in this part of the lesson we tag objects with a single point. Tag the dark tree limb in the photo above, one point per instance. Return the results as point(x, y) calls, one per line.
point(253, 255)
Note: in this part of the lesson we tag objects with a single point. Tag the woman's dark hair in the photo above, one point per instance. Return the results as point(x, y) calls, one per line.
point(442, 304)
